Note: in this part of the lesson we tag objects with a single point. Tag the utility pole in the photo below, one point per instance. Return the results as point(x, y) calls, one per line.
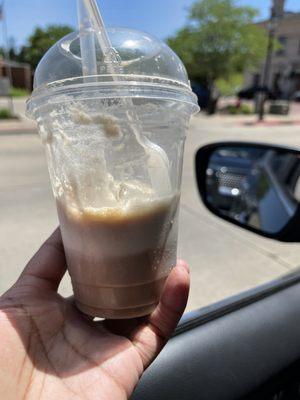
point(262, 95)
point(6, 52)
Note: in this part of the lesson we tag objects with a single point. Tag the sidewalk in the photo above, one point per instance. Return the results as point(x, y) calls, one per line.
point(293, 118)
point(25, 125)
point(252, 120)
point(22, 125)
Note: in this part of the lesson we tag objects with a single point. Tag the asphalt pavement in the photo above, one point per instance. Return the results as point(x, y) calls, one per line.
point(223, 259)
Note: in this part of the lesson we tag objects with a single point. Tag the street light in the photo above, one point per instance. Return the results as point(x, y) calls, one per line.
point(272, 28)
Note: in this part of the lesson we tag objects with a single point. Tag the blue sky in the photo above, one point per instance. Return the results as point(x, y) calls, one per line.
point(158, 17)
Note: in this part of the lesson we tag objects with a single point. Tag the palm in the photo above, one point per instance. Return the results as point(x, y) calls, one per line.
point(55, 352)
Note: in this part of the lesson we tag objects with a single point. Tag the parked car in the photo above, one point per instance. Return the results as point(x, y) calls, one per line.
point(202, 93)
point(224, 179)
point(296, 96)
point(253, 185)
point(251, 92)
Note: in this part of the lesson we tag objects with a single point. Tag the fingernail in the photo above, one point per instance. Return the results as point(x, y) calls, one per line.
point(183, 264)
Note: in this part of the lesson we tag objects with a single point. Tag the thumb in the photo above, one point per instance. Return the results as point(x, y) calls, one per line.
point(153, 335)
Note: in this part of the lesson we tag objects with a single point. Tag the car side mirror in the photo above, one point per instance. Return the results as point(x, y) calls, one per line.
point(254, 186)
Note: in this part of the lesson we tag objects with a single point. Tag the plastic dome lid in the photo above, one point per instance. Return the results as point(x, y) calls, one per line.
point(148, 65)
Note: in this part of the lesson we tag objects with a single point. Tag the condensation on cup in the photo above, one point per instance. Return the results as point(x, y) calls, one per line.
point(114, 146)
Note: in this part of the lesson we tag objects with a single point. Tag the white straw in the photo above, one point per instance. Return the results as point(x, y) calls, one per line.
point(158, 163)
point(98, 24)
point(87, 41)
point(111, 57)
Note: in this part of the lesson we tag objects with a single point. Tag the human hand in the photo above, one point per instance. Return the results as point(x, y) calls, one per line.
point(49, 350)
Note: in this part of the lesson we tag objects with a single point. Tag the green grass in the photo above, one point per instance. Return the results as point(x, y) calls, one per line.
point(231, 109)
point(5, 113)
point(19, 92)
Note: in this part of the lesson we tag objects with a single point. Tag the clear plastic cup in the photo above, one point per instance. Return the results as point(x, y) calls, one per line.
point(115, 167)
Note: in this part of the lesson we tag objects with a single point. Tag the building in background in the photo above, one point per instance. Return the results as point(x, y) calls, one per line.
point(21, 74)
point(284, 76)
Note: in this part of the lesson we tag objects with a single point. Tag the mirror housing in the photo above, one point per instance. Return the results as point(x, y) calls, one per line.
point(252, 185)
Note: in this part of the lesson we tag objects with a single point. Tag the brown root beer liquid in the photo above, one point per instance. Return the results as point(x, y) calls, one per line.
point(119, 257)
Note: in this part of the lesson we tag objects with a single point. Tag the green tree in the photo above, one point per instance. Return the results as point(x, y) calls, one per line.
point(40, 41)
point(219, 40)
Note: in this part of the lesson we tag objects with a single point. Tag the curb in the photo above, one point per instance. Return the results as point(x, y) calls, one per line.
point(17, 127)
point(27, 131)
point(272, 123)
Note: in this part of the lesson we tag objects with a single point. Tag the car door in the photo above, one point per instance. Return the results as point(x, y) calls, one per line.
point(246, 346)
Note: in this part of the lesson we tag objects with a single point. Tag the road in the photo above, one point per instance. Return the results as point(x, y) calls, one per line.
point(223, 259)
